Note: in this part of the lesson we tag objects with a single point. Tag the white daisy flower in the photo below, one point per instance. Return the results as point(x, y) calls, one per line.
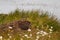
point(10, 27)
point(30, 35)
point(29, 30)
point(38, 33)
point(26, 35)
point(50, 29)
point(1, 37)
point(21, 39)
point(10, 36)
point(37, 37)
point(45, 33)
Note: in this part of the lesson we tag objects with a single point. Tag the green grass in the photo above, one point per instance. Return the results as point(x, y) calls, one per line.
point(40, 21)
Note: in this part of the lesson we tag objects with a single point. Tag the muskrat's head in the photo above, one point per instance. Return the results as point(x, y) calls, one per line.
point(24, 25)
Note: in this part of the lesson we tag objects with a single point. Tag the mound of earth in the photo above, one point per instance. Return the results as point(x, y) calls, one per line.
point(23, 25)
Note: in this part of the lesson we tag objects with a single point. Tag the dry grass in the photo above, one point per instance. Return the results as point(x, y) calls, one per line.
point(43, 26)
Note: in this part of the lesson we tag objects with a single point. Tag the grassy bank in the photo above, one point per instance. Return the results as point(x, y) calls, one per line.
point(43, 26)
